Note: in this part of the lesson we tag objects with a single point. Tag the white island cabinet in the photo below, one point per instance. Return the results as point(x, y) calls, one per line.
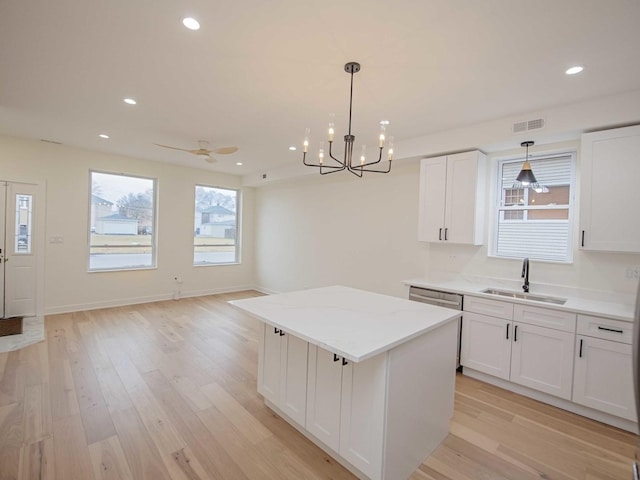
point(377, 374)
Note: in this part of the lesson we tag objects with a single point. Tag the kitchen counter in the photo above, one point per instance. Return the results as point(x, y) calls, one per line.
point(352, 323)
point(367, 377)
point(586, 302)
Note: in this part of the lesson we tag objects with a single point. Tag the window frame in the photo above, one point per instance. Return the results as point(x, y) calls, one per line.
point(497, 208)
point(238, 236)
point(154, 232)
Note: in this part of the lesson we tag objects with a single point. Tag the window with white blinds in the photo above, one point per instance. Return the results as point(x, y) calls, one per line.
point(536, 223)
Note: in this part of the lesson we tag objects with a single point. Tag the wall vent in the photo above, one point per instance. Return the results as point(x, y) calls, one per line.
point(528, 125)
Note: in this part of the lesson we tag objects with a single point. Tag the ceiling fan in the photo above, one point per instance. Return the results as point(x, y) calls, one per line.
point(204, 152)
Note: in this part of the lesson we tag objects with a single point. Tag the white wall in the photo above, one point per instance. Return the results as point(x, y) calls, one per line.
point(363, 233)
point(340, 229)
point(68, 285)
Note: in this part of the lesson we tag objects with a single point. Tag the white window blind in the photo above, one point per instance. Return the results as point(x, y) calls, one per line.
point(536, 224)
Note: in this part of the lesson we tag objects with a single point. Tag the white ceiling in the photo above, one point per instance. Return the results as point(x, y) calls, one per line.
point(259, 71)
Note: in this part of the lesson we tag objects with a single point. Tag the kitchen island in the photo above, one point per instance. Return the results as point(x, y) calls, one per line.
point(367, 377)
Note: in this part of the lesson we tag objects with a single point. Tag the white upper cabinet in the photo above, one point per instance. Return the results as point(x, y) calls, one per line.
point(452, 198)
point(610, 168)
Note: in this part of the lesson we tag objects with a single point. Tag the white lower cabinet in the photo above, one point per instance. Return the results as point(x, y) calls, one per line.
point(345, 407)
point(584, 359)
point(603, 376)
point(486, 344)
point(542, 358)
point(524, 353)
point(324, 396)
point(282, 377)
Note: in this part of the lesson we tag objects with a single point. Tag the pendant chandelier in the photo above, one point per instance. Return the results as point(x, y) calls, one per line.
point(347, 163)
point(526, 178)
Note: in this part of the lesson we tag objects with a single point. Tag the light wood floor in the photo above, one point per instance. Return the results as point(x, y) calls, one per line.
point(168, 391)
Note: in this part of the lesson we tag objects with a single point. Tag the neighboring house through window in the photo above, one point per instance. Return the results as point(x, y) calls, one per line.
point(215, 231)
point(122, 216)
point(536, 224)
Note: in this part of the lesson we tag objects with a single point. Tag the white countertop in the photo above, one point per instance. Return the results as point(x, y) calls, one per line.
point(351, 323)
point(586, 302)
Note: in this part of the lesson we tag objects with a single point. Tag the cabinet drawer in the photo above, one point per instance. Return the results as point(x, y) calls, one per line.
point(605, 328)
point(489, 307)
point(545, 317)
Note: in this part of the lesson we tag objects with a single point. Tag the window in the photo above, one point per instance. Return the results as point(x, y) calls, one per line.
point(24, 212)
point(536, 224)
point(121, 223)
point(215, 231)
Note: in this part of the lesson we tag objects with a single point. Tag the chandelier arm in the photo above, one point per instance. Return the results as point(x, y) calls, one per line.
point(372, 163)
point(333, 169)
point(376, 171)
point(319, 165)
point(334, 158)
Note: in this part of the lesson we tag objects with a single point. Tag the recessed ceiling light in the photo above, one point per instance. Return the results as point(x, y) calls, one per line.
point(130, 101)
point(191, 23)
point(574, 70)
point(239, 164)
point(384, 122)
point(292, 148)
point(103, 135)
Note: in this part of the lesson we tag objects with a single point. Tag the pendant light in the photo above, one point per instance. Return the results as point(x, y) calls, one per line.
point(526, 178)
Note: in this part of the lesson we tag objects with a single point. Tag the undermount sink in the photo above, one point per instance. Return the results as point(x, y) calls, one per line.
point(525, 296)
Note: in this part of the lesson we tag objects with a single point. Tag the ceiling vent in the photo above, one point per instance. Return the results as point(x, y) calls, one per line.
point(528, 125)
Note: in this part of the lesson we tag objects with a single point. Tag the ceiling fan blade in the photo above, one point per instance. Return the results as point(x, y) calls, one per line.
point(210, 159)
point(225, 150)
point(174, 148)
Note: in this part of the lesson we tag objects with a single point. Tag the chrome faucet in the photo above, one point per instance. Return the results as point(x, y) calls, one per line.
point(525, 274)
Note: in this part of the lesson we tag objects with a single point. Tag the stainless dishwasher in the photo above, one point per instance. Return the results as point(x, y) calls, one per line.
point(441, 299)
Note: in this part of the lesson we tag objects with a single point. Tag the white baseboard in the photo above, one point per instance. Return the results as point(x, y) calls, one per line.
point(122, 302)
point(568, 405)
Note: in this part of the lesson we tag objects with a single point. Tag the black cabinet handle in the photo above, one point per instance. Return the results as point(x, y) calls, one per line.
point(281, 333)
point(440, 234)
point(614, 330)
point(335, 357)
point(507, 331)
point(515, 333)
point(445, 233)
point(580, 352)
point(344, 361)
point(582, 242)
point(276, 331)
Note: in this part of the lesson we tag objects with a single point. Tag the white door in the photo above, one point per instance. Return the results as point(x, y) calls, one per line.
point(460, 211)
point(603, 376)
point(3, 193)
point(433, 177)
point(486, 344)
point(363, 414)
point(293, 384)
point(269, 387)
point(324, 393)
point(542, 358)
point(19, 250)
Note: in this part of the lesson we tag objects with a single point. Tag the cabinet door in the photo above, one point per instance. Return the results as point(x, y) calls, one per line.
point(324, 389)
point(603, 376)
point(293, 384)
point(608, 184)
point(271, 365)
point(464, 210)
point(542, 358)
point(433, 178)
point(486, 344)
point(362, 414)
